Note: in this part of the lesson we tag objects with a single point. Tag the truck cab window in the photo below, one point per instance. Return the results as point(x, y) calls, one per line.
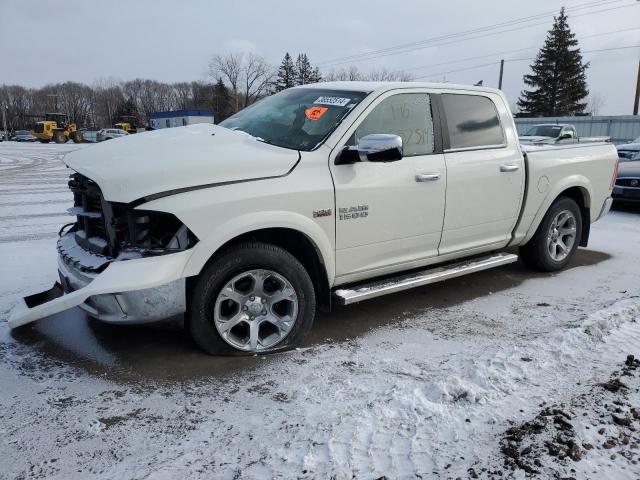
point(472, 121)
point(407, 115)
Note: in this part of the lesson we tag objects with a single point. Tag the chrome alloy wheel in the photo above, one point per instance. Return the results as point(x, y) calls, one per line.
point(256, 310)
point(562, 235)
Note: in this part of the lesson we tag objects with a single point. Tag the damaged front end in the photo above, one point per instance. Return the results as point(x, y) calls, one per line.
point(118, 231)
point(107, 238)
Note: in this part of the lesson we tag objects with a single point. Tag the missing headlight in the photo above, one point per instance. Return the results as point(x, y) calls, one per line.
point(152, 233)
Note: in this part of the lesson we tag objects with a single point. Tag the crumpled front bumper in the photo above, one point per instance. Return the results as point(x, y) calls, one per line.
point(129, 291)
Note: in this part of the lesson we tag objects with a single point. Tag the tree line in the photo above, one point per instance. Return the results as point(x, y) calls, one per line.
point(557, 86)
point(103, 103)
point(236, 80)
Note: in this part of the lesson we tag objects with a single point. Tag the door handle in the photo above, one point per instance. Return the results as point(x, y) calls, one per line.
point(427, 177)
point(509, 168)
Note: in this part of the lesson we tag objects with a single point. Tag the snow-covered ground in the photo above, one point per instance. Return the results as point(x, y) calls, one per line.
point(423, 384)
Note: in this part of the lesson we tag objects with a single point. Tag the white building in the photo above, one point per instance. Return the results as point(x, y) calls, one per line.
point(179, 118)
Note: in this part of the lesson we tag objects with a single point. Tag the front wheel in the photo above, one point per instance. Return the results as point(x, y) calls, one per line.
point(255, 298)
point(59, 137)
point(556, 239)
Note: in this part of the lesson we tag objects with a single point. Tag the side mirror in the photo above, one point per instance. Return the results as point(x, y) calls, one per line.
point(377, 147)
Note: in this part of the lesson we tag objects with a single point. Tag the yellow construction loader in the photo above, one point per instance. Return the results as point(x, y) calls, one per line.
point(56, 127)
point(128, 124)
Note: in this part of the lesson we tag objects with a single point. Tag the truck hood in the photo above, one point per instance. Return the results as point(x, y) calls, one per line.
point(172, 160)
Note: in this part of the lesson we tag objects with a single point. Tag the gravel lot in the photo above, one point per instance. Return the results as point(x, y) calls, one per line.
point(454, 380)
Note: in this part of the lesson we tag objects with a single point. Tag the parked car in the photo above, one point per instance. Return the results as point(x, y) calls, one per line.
point(344, 191)
point(627, 187)
point(557, 133)
point(629, 151)
point(23, 136)
point(110, 133)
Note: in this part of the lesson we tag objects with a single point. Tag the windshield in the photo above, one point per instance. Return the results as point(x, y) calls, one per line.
point(22, 132)
point(551, 131)
point(298, 118)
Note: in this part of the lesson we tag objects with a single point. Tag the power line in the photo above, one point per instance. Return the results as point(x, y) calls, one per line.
point(459, 40)
point(584, 51)
point(474, 67)
point(460, 37)
point(504, 52)
point(468, 32)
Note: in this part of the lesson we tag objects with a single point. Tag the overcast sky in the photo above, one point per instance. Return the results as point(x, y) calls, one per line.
point(46, 41)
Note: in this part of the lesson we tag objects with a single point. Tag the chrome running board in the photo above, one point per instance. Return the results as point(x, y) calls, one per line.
point(365, 291)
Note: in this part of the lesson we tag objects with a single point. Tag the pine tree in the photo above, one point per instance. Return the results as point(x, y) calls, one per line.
point(287, 74)
point(221, 101)
point(316, 76)
point(558, 79)
point(128, 108)
point(304, 71)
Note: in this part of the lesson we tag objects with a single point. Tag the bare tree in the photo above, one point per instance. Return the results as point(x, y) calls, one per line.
point(346, 73)
point(595, 103)
point(257, 77)
point(352, 73)
point(183, 92)
point(229, 68)
point(107, 96)
point(384, 75)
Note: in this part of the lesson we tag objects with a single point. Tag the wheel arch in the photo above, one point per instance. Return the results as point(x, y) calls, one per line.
point(309, 245)
point(582, 197)
point(579, 190)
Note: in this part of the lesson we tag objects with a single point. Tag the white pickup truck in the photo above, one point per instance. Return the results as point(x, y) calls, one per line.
point(343, 191)
point(561, 133)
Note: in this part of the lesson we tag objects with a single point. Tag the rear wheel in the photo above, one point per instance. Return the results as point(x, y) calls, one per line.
point(556, 239)
point(76, 137)
point(256, 298)
point(44, 140)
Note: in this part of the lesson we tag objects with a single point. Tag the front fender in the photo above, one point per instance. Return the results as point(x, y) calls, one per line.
point(247, 223)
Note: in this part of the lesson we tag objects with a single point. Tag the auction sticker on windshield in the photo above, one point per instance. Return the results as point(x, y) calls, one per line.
point(334, 101)
point(314, 113)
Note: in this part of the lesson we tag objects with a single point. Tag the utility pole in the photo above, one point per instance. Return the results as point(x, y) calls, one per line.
point(637, 99)
point(501, 73)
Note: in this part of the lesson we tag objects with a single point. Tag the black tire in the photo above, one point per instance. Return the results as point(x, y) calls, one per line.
point(44, 140)
point(59, 137)
point(244, 257)
point(535, 253)
point(76, 137)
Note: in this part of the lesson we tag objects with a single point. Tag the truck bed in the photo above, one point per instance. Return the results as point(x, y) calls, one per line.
point(586, 168)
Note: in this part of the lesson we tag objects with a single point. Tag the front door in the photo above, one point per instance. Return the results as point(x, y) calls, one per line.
point(389, 215)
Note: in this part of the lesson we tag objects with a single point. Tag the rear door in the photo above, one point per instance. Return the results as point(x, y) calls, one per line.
point(389, 215)
point(485, 173)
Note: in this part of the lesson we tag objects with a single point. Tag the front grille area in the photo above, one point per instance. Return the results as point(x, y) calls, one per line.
point(114, 230)
point(90, 229)
point(628, 182)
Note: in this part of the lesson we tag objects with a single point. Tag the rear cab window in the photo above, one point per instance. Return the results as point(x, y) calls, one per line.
point(472, 122)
